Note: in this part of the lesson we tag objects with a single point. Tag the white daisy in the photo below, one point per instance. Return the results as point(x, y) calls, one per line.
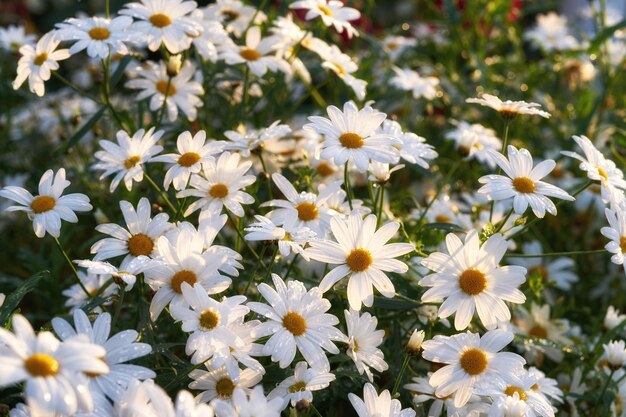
point(164, 21)
point(121, 347)
point(125, 158)
point(362, 253)
point(300, 386)
point(344, 67)
point(297, 320)
point(37, 63)
point(125, 275)
point(177, 92)
point(13, 37)
point(217, 383)
point(469, 278)
point(253, 405)
point(101, 37)
point(616, 232)
point(209, 226)
point(614, 354)
point(219, 185)
point(509, 108)
point(211, 37)
point(245, 141)
point(290, 238)
point(523, 183)
point(193, 151)
point(76, 296)
point(138, 239)
point(613, 318)
point(551, 33)
point(363, 342)
point(47, 209)
point(374, 405)
point(470, 360)
point(351, 136)
point(257, 53)
point(409, 80)
point(422, 392)
point(475, 141)
point(411, 147)
point(235, 15)
point(332, 12)
point(52, 371)
point(395, 46)
point(304, 209)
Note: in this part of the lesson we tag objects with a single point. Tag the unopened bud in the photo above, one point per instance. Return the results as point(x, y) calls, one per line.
point(521, 221)
point(174, 64)
point(415, 342)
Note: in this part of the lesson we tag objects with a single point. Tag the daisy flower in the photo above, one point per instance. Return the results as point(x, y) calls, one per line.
point(47, 209)
point(257, 53)
point(362, 253)
point(193, 151)
point(76, 297)
point(551, 33)
point(245, 141)
point(121, 347)
point(474, 141)
point(396, 45)
point(374, 405)
point(351, 136)
point(301, 384)
point(411, 147)
point(207, 320)
point(469, 360)
point(363, 342)
point(616, 232)
point(556, 271)
point(125, 158)
point(219, 185)
point(290, 238)
point(13, 37)
point(253, 405)
point(182, 260)
point(125, 275)
point(613, 318)
point(469, 278)
point(177, 92)
point(599, 168)
point(52, 371)
point(523, 183)
point(304, 209)
point(409, 80)
point(235, 15)
point(209, 226)
point(297, 319)
point(343, 66)
point(217, 383)
point(101, 37)
point(509, 108)
point(614, 354)
point(164, 22)
point(332, 12)
point(138, 239)
point(38, 62)
point(211, 37)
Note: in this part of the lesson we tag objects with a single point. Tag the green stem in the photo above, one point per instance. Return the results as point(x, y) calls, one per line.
point(503, 151)
point(405, 362)
point(106, 93)
point(503, 222)
point(161, 193)
point(107, 9)
point(317, 413)
point(75, 87)
point(162, 111)
point(245, 242)
point(291, 265)
point(118, 308)
point(380, 207)
point(606, 385)
point(547, 255)
point(256, 268)
point(69, 262)
point(436, 196)
point(244, 92)
point(346, 181)
point(268, 177)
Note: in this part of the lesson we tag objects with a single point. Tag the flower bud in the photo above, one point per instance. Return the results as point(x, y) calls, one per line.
point(174, 64)
point(415, 342)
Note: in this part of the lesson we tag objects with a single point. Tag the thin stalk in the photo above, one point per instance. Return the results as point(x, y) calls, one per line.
point(118, 308)
point(547, 255)
point(503, 151)
point(291, 265)
point(250, 248)
point(405, 362)
point(165, 96)
point(267, 174)
point(256, 268)
point(503, 222)
point(161, 193)
point(244, 92)
point(380, 207)
point(346, 182)
point(67, 258)
point(106, 91)
point(436, 196)
point(75, 87)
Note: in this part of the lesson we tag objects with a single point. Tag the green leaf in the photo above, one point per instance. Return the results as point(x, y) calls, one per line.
point(605, 34)
point(119, 71)
point(13, 299)
point(447, 227)
point(395, 303)
point(83, 130)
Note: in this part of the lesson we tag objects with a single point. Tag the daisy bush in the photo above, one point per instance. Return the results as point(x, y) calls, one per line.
point(312, 208)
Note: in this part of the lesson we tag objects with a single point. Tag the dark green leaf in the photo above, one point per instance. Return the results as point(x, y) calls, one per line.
point(119, 71)
point(83, 130)
point(605, 34)
point(13, 299)
point(447, 227)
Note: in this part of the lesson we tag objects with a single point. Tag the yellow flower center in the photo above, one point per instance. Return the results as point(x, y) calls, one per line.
point(93, 374)
point(250, 54)
point(622, 244)
point(351, 140)
point(99, 34)
point(524, 185)
point(218, 191)
point(307, 211)
point(297, 387)
point(541, 270)
point(140, 244)
point(325, 10)
point(295, 323)
point(160, 20)
point(508, 113)
point(131, 162)
point(41, 364)
point(511, 389)
point(324, 169)
point(538, 331)
point(442, 218)
point(472, 282)
point(40, 59)
point(230, 14)
point(473, 361)
point(183, 276)
point(209, 319)
point(603, 173)
point(224, 388)
point(188, 159)
point(359, 260)
point(164, 89)
point(355, 348)
point(42, 204)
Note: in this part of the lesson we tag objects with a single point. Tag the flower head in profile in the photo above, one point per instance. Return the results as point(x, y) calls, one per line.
point(166, 22)
point(125, 276)
point(374, 405)
point(343, 66)
point(257, 53)
point(509, 108)
point(475, 141)
point(101, 37)
point(351, 136)
point(125, 158)
point(362, 253)
point(47, 209)
point(332, 12)
point(235, 15)
point(410, 147)
point(409, 80)
point(297, 320)
point(363, 342)
point(37, 63)
point(469, 360)
point(13, 37)
point(469, 278)
point(290, 238)
point(523, 183)
point(616, 232)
